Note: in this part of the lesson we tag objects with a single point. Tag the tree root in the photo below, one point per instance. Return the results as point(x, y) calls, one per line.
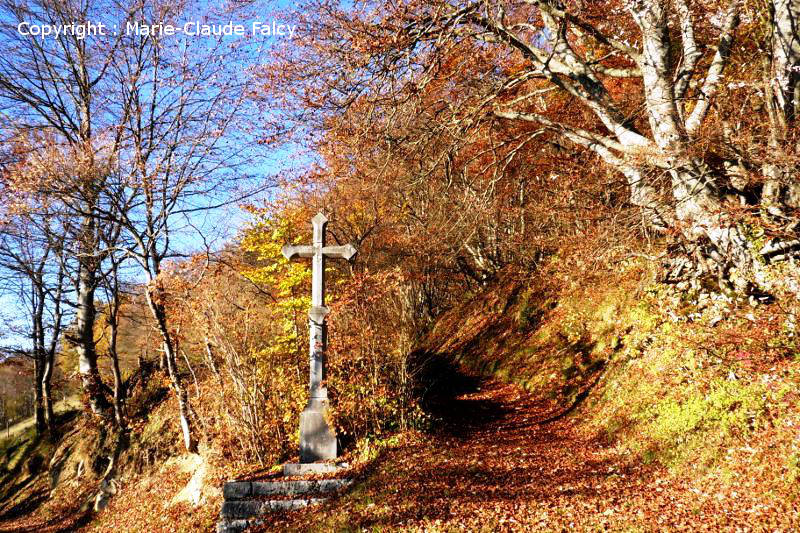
point(780, 250)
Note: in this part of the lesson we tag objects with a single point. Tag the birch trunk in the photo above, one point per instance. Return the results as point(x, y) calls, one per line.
point(780, 186)
point(93, 385)
point(184, 408)
point(698, 208)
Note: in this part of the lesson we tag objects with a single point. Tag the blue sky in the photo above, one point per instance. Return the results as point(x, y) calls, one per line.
point(217, 226)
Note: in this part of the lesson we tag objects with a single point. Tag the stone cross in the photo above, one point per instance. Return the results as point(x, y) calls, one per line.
point(317, 439)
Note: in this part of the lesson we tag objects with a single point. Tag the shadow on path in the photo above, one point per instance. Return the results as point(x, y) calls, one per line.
point(448, 395)
point(489, 459)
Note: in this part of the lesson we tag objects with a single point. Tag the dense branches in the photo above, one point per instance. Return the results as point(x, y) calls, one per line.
point(133, 137)
point(636, 83)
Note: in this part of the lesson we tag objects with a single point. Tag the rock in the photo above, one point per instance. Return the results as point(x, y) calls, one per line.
point(108, 487)
point(193, 492)
point(101, 501)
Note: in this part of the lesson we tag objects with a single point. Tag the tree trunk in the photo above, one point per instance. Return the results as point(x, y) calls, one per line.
point(93, 385)
point(698, 201)
point(47, 395)
point(37, 338)
point(781, 188)
point(184, 408)
point(701, 216)
point(49, 364)
point(144, 370)
point(657, 215)
point(119, 385)
point(38, 397)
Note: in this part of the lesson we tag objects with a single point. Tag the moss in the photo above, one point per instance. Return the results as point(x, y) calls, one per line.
point(529, 312)
point(686, 428)
point(16, 449)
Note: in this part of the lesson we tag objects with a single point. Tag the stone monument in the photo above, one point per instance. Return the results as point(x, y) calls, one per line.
point(317, 437)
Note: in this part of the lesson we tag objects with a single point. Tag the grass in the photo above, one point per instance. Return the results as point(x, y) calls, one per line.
point(13, 452)
point(70, 403)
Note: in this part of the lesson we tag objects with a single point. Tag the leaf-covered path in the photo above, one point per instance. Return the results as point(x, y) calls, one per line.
point(502, 463)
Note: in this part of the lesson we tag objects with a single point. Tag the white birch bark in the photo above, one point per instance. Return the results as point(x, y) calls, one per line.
point(698, 203)
point(780, 185)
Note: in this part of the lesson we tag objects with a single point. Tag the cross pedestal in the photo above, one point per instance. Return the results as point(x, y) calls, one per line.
point(317, 437)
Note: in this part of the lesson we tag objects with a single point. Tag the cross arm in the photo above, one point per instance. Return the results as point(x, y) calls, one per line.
point(290, 251)
point(344, 252)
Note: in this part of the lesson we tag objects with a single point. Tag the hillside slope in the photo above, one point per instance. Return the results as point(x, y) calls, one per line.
point(91, 478)
point(619, 404)
point(606, 400)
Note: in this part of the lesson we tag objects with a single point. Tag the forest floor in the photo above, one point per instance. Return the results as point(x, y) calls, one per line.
point(503, 460)
point(499, 459)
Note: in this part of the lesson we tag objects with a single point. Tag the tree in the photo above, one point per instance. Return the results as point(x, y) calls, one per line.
point(57, 96)
point(33, 258)
point(183, 155)
point(140, 133)
point(633, 82)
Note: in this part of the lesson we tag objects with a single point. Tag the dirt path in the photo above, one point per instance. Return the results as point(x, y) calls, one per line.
point(70, 403)
point(496, 466)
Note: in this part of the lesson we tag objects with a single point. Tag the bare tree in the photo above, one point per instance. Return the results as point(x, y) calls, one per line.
point(143, 127)
point(59, 86)
point(33, 258)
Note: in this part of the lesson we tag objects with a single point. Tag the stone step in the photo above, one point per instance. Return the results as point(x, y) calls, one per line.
point(248, 502)
point(254, 509)
point(305, 469)
point(237, 525)
point(240, 490)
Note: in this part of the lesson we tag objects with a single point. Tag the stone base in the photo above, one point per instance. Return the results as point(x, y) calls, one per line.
point(317, 439)
point(241, 490)
point(245, 504)
point(309, 469)
point(251, 509)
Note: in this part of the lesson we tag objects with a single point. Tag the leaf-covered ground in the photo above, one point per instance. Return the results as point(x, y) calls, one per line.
point(502, 462)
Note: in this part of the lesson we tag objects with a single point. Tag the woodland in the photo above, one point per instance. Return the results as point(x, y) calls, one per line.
point(574, 304)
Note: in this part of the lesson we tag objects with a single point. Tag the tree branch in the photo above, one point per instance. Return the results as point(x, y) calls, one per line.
point(714, 75)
